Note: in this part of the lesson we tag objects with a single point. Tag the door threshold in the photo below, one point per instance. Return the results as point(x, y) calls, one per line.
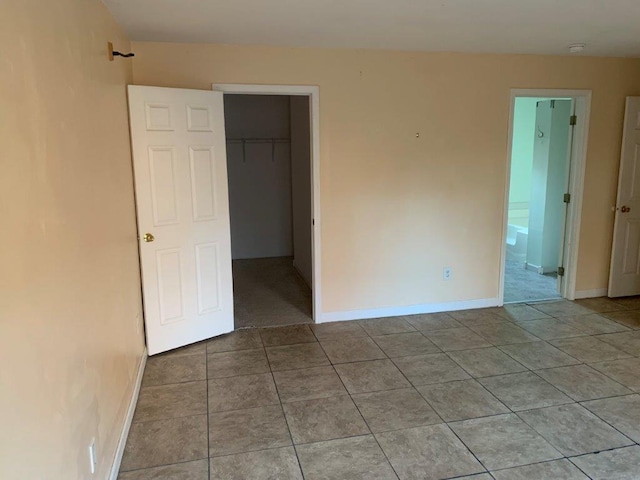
point(537, 300)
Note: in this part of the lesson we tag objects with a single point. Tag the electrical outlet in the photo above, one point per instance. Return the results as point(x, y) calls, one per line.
point(447, 273)
point(93, 459)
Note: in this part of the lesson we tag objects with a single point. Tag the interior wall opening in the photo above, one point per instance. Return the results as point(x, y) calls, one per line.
point(269, 173)
point(537, 206)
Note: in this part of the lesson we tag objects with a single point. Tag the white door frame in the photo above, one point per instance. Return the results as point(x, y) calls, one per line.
point(313, 92)
point(582, 100)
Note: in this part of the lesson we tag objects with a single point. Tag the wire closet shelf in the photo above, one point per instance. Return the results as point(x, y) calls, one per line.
point(256, 140)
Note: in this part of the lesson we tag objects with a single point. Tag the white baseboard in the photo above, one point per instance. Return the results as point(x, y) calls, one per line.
point(532, 267)
point(122, 441)
point(540, 269)
point(407, 310)
point(596, 292)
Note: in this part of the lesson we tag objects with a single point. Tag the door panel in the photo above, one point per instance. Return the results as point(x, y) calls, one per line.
point(169, 277)
point(203, 182)
point(207, 277)
point(631, 242)
point(550, 171)
point(624, 278)
point(163, 186)
point(179, 160)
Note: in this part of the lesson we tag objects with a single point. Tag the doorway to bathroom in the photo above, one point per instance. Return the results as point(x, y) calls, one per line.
point(544, 183)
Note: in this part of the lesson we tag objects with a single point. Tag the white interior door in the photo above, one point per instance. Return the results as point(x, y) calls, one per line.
point(624, 278)
point(548, 185)
point(563, 257)
point(179, 159)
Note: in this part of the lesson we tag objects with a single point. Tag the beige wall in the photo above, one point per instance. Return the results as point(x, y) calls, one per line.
point(395, 208)
point(69, 285)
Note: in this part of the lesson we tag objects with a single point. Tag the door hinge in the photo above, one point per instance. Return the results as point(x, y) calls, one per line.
point(573, 120)
point(566, 198)
point(561, 271)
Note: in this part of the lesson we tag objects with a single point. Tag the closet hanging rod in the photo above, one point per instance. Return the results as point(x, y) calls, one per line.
point(258, 140)
point(272, 141)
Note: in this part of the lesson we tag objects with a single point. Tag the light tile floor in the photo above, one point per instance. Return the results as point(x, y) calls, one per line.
point(541, 391)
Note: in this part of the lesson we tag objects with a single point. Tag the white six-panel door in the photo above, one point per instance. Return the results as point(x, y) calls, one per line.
point(624, 278)
point(179, 158)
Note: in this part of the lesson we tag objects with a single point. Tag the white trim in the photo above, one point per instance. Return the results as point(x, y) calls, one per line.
point(407, 310)
point(596, 292)
point(578, 162)
point(313, 92)
point(580, 141)
point(122, 441)
point(261, 89)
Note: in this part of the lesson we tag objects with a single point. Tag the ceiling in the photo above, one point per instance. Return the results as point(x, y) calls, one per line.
point(607, 27)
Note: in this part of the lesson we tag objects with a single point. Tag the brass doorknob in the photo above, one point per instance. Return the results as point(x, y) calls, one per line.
point(148, 237)
point(625, 209)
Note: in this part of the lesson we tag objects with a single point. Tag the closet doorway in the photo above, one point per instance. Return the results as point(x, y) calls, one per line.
point(269, 141)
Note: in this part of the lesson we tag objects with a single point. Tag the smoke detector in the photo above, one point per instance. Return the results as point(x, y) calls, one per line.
point(576, 47)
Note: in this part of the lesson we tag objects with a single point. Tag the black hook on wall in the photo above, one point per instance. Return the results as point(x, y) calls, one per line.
point(114, 53)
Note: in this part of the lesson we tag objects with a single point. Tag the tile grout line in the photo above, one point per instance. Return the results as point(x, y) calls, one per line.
point(611, 425)
point(467, 447)
point(579, 469)
point(206, 362)
point(189, 415)
point(589, 366)
point(608, 398)
point(586, 453)
point(356, 405)
point(482, 376)
point(364, 419)
point(284, 415)
point(616, 333)
point(182, 462)
point(386, 357)
point(540, 463)
point(609, 376)
point(413, 387)
point(254, 450)
point(573, 401)
point(512, 412)
point(570, 459)
point(533, 369)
